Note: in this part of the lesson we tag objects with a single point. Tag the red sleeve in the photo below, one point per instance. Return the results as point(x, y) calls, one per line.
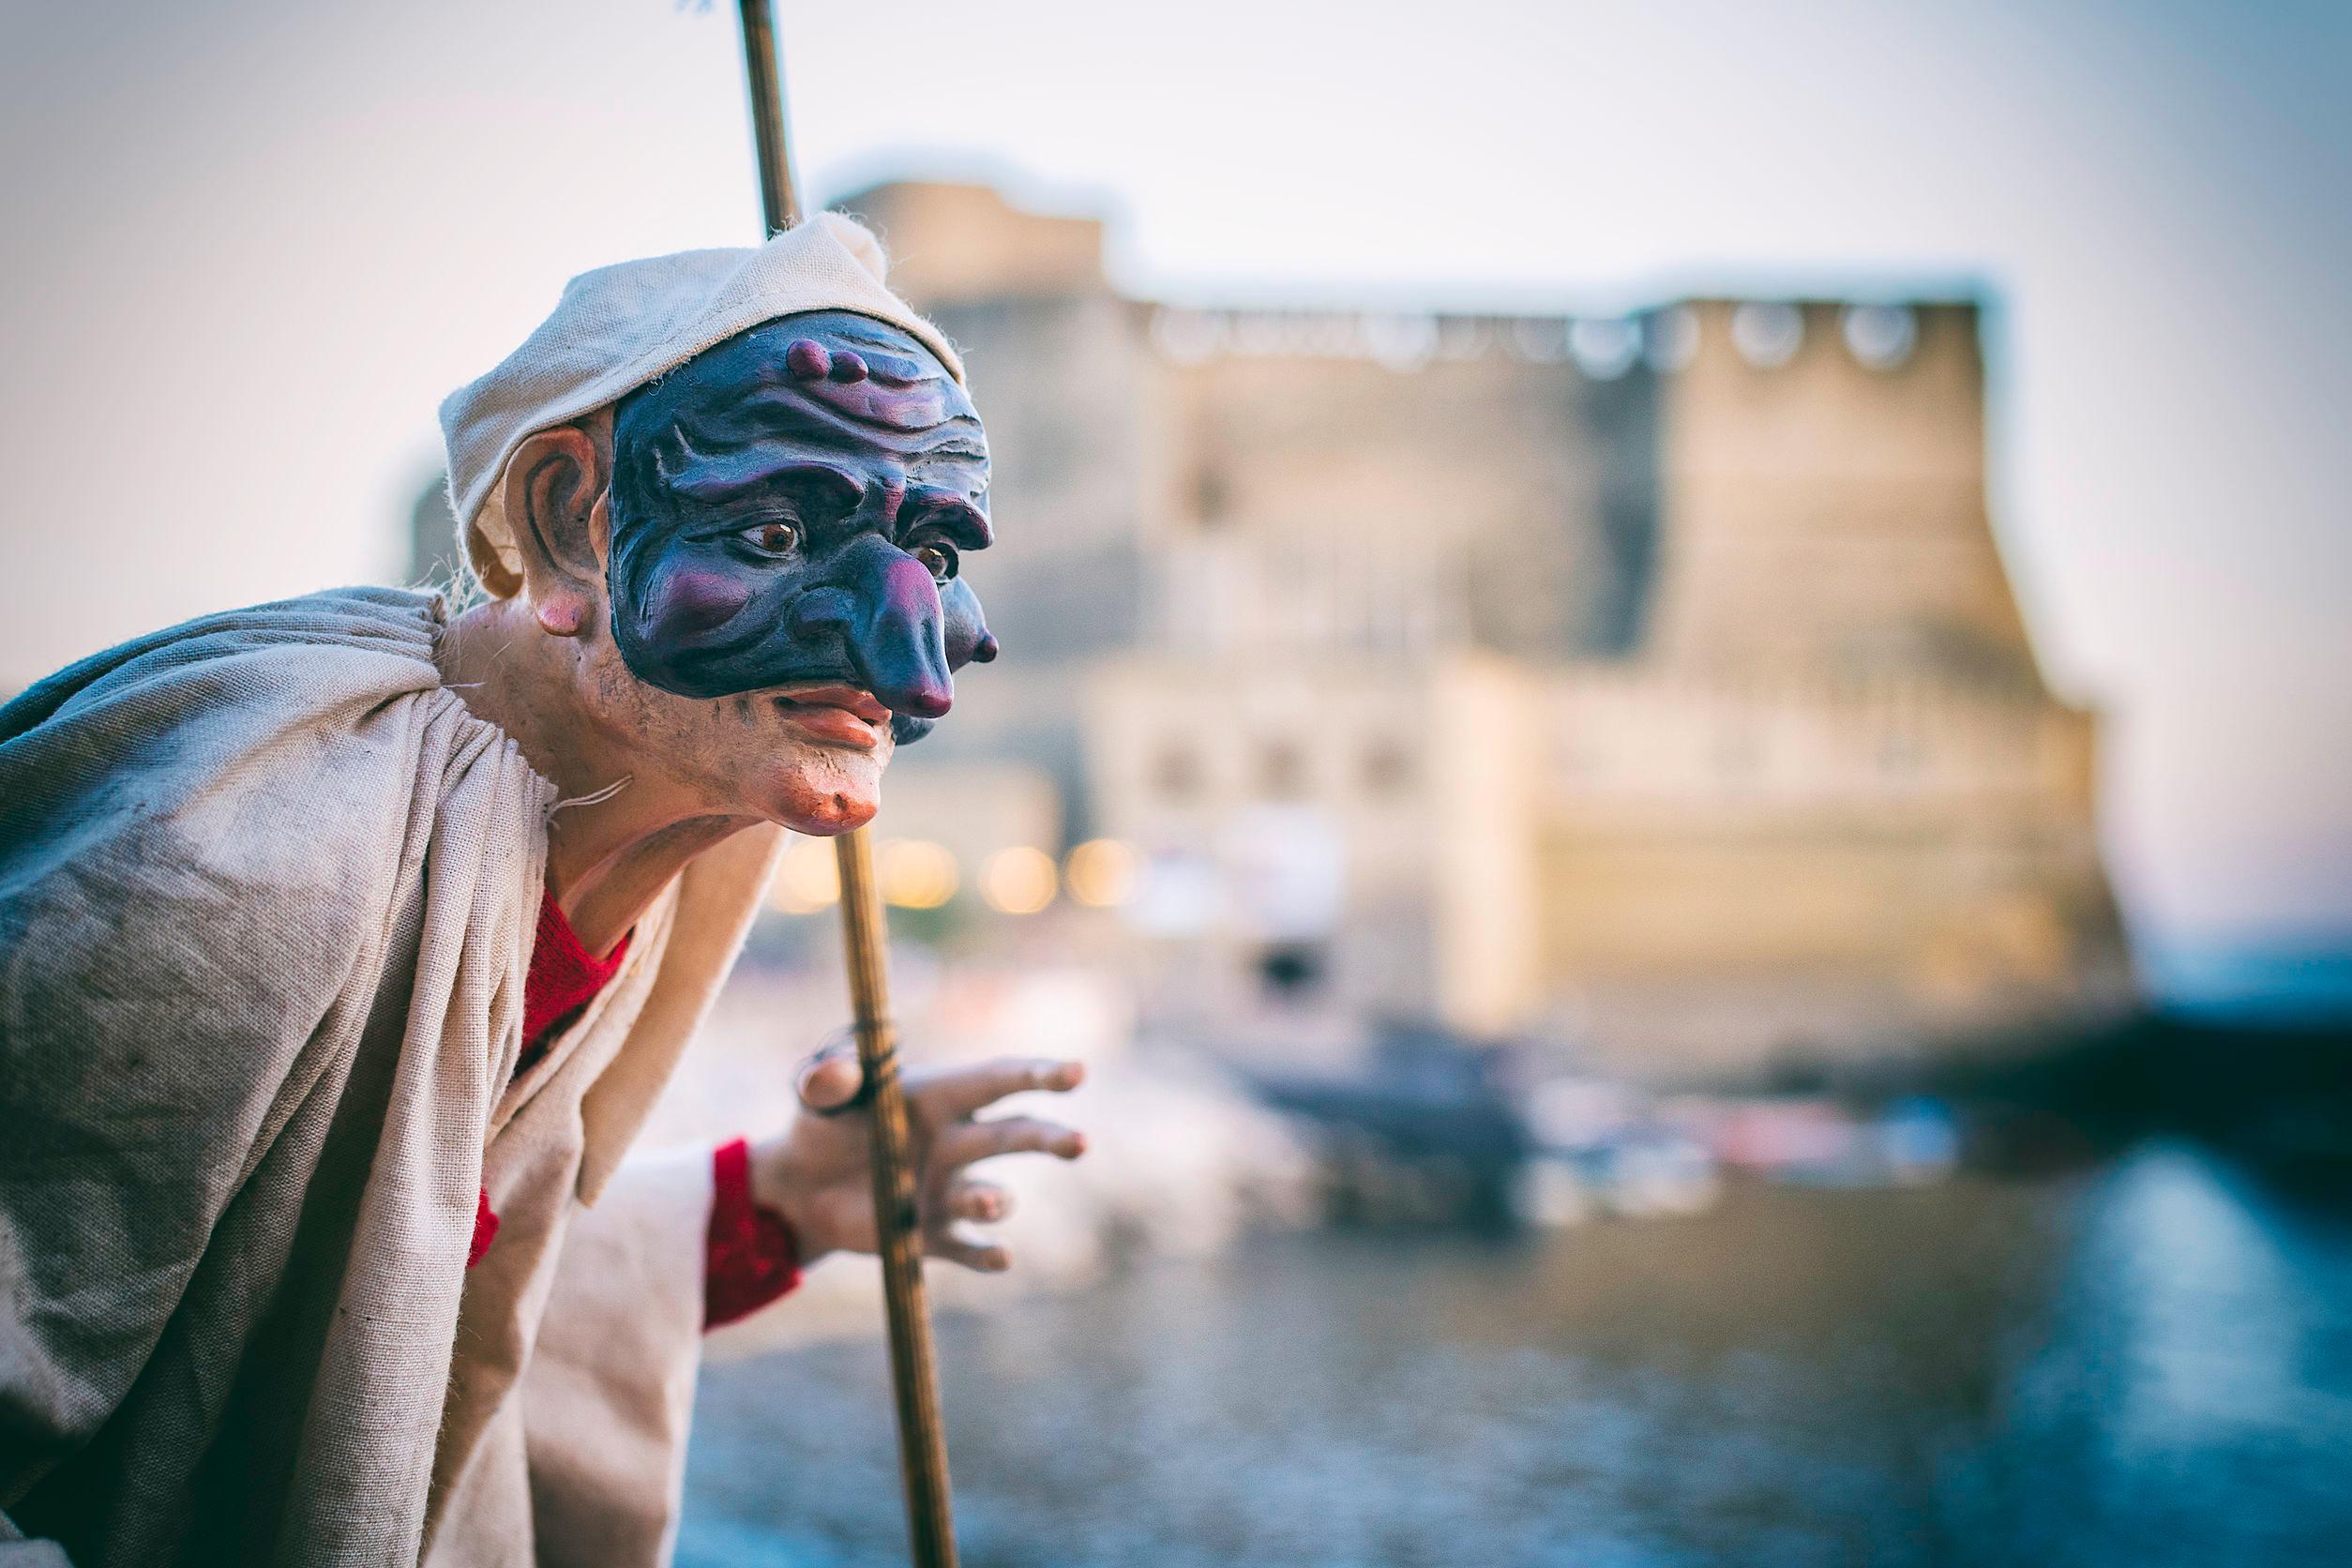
point(752, 1259)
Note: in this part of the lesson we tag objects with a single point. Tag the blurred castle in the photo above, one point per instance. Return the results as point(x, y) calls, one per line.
point(1647, 687)
point(1650, 685)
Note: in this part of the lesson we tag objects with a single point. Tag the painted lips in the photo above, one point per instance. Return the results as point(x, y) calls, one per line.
point(836, 715)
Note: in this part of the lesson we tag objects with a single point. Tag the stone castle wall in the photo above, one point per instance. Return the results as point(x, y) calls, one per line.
point(1658, 680)
point(1745, 875)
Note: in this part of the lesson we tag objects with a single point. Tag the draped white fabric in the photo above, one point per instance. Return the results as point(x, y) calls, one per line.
point(267, 892)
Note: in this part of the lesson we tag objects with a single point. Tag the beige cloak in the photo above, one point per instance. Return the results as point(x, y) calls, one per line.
point(267, 894)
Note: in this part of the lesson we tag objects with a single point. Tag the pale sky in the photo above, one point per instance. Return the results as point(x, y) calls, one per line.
point(248, 248)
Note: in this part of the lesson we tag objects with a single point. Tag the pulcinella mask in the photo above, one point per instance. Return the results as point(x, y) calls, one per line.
point(793, 506)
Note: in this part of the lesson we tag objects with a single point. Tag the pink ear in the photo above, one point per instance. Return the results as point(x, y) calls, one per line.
point(807, 360)
point(560, 613)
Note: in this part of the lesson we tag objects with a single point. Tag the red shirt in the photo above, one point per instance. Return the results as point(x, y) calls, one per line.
point(749, 1255)
point(564, 977)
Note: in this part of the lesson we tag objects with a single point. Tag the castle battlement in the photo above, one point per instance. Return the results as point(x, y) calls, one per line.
point(1648, 683)
point(1884, 337)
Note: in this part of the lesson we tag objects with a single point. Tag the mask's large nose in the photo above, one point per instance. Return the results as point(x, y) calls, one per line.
point(884, 608)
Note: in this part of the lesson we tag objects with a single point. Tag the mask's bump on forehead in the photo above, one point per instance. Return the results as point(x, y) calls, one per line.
point(807, 360)
point(848, 366)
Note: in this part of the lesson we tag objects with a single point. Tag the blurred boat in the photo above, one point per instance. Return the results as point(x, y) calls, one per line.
point(1607, 1140)
point(1431, 1129)
point(1819, 1141)
point(1428, 1130)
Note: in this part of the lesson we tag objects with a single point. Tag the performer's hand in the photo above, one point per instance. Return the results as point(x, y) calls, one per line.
point(815, 1174)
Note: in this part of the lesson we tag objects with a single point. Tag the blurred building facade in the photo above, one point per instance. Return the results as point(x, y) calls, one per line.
point(1648, 685)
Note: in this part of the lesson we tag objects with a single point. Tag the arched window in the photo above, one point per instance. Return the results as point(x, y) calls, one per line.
point(1176, 773)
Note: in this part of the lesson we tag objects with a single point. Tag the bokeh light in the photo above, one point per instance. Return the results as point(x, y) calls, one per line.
point(1019, 881)
point(1101, 873)
point(917, 874)
point(808, 879)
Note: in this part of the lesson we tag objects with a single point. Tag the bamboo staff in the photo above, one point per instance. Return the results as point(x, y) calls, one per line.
point(922, 1443)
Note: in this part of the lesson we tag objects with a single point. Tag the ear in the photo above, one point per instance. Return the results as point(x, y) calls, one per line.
point(555, 487)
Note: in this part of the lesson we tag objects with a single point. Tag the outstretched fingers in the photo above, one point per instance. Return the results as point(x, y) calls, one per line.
point(966, 1141)
point(947, 1140)
point(979, 1257)
point(981, 1202)
point(958, 1092)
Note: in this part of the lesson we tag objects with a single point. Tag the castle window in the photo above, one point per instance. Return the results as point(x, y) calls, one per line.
point(1388, 769)
point(1212, 494)
point(1605, 349)
point(1282, 771)
point(1767, 333)
point(1881, 336)
point(1176, 773)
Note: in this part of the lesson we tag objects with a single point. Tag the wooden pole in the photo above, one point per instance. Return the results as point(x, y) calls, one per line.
point(779, 194)
point(922, 1442)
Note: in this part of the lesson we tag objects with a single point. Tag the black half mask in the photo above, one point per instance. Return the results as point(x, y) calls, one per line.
point(792, 506)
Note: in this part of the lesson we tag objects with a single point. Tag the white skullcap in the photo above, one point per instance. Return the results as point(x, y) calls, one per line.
point(618, 327)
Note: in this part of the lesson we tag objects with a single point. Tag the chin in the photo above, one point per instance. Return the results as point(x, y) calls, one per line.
point(824, 791)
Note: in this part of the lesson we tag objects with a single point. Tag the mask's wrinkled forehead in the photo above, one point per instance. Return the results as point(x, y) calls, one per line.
point(830, 380)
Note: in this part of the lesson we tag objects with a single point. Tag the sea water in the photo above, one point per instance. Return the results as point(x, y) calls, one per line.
point(2146, 1363)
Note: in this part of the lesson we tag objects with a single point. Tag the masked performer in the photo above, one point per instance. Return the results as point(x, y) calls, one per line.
point(344, 947)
